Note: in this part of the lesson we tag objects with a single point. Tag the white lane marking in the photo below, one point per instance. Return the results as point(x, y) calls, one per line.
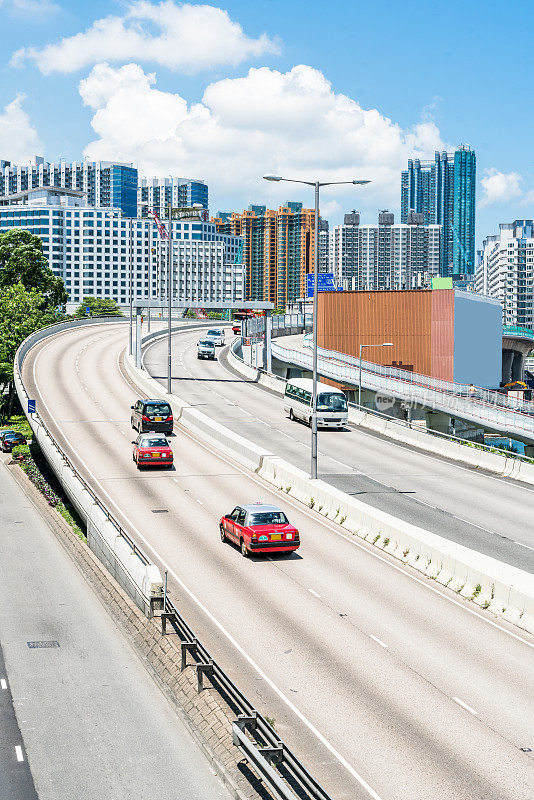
point(3, 683)
point(311, 727)
point(464, 705)
point(311, 591)
point(175, 480)
point(524, 545)
point(18, 751)
point(200, 501)
point(377, 640)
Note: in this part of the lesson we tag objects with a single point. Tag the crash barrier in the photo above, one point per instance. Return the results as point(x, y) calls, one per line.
point(504, 590)
point(256, 739)
point(442, 444)
point(128, 564)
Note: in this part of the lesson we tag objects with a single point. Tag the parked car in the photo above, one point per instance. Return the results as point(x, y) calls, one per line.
point(206, 349)
point(152, 415)
point(10, 439)
point(152, 450)
point(216, 335)
point(259, 528)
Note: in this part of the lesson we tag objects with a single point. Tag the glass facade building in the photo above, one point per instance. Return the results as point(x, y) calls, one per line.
point(443, 191)
point(158, 193)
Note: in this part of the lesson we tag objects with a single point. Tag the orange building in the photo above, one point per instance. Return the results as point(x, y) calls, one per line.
point(278, 250)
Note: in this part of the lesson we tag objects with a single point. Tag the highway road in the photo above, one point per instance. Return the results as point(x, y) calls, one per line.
point(490, 514)
point(90, 721)
point(386, 685)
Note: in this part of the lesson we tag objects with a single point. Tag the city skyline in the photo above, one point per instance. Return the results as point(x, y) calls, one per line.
point(200, 113)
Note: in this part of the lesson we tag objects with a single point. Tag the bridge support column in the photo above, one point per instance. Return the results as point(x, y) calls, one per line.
point(438, 421)
point(507, 358)
point(517, 366)
point(267, 362)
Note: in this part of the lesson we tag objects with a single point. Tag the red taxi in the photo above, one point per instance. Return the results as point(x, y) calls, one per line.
point(259, 528)
point(152, 450)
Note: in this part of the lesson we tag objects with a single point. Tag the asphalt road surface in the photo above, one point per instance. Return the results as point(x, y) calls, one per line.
point(90, 721)
point(490, 514)
point(385, 684)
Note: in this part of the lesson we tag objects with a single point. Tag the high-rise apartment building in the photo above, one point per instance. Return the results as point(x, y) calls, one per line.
point(94, 249)
point(157, 193)
point(385, 255)
point(278, 250)
point(106, 184)
point(506, 271)
point(443, 191)
point(324, 246)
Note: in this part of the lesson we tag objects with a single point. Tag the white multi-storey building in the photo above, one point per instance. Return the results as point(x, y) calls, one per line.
point(506, 271)
point(156, 194)
point(105, 184)
point(97, 250)
point(384, 256)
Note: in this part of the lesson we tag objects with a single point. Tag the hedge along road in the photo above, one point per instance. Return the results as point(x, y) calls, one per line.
point(482, 511)
point(384, 685)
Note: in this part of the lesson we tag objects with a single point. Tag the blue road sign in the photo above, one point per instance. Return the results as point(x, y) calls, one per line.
point(31, 406)
point(87, 310)
point(325, 282)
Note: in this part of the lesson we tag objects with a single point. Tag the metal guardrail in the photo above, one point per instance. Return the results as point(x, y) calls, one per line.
point(484, 407)
point(290, 780)
point(266, 745)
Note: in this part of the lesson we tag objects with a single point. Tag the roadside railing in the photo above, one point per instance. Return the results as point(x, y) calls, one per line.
point(482, 406)
point(257, 740)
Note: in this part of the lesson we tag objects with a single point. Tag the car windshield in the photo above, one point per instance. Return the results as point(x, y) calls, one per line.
point(214, 333)
point(154, 441)
point(268, 518)
point(331, 401)
point(206, 343)
point(159, 409)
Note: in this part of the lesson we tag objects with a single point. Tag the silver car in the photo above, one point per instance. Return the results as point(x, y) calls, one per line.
point(206, 349)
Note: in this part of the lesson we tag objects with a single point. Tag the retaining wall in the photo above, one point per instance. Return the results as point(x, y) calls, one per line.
point(129, 566)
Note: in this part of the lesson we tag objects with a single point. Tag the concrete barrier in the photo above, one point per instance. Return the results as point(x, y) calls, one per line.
point(133, 571)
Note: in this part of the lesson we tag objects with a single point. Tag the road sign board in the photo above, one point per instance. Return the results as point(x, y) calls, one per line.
point(31, 406)
point(325, 282)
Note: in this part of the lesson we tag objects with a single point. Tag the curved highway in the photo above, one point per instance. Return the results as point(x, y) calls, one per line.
point(480, 510)
point(386, 685)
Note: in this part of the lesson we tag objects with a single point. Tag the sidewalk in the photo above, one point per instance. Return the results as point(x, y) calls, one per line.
point(93, 722)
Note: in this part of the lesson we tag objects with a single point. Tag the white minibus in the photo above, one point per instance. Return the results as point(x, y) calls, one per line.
point(332, 409)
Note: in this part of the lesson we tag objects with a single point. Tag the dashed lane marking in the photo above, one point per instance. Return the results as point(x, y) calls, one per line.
point(311, 591)
point(19, 753)
point(3, 683)
point(377, 640)
point(464, 705)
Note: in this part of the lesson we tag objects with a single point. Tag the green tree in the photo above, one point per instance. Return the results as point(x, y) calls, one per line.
point(21, 314)
point(22, 260)
point(98, 306)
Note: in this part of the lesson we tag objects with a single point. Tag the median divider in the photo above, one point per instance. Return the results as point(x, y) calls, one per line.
point(506, 591)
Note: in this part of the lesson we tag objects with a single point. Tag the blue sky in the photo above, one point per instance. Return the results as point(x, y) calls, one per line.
point(307, 89)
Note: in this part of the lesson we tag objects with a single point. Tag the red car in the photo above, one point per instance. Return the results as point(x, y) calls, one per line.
point(152, 450)
point(259, 528)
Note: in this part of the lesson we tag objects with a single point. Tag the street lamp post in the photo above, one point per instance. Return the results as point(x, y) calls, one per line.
point(169, 292)
point(384, 344)
point(317, 186)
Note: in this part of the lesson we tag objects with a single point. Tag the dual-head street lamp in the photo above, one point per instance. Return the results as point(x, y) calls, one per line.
point(317, 185)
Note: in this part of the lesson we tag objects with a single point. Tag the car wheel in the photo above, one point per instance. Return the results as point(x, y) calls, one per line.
point(223, 535)
point(310, 422)
point(291, 415)
point(244, 551)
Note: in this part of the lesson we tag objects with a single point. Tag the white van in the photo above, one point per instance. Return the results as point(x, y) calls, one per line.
point(332, 408)
point(216, 335)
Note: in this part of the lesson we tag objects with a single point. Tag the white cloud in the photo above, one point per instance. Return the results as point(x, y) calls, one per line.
point(292, 124)
point(18, 138)
point(182, 37)
point(498, 187)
